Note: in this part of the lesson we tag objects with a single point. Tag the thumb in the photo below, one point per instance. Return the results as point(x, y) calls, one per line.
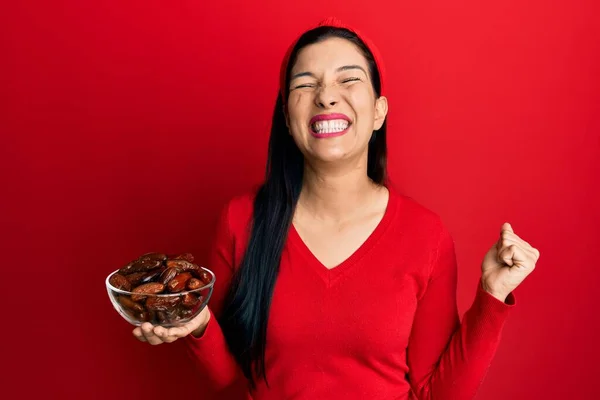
point(506, 226)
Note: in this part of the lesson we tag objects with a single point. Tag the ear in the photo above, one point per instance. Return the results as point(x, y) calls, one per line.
point(381, 109)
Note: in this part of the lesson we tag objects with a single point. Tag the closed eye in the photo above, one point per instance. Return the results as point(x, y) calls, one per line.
point(351, 79)
point(305, 85)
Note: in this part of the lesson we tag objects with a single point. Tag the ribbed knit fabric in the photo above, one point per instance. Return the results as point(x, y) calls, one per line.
point(383, 324)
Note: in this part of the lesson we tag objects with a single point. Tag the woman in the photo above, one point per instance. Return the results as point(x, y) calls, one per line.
point(330, 284)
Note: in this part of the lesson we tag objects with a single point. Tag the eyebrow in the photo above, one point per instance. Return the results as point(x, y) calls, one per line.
point(340, 69)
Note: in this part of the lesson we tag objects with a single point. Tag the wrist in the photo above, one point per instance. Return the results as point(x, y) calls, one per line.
point(494, 293)
point(199, 331)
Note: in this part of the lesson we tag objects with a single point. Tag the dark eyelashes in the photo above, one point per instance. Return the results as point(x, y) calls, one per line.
point(306, 85)
point(302, 86)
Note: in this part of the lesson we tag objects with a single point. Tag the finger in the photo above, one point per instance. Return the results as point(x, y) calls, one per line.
point(507, 227)
point(137, 332)
point(163, 334)
point(505, 234)
point(524, 244)
point(146, 327)
point(148, 331)
point(178, 331)
point(154, 340)
point(513, 255)
point(505, 255)
point(160, 331)
point(526, 248)
point(170, 339)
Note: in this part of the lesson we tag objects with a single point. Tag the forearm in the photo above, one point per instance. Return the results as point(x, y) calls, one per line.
point(472, 347)
point(217, 367)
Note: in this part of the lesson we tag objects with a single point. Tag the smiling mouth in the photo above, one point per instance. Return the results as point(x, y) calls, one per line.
point(329, 126)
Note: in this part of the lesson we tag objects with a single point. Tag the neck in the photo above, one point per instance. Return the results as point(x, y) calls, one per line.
point(335, 195)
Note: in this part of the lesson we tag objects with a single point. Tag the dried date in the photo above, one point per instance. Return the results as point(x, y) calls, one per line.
point(147, 316)
point(184, 313)
point(140, 266)
point(163, 303)
point(129, 304)
point(135, 278)
point(184, 266)
point(205, 276)
point(178, 283)
point(154, 257)
point(168, 274)
point(146, 288)
point(189, 300)
point(152, 275)
point(185, 256)
point(162, 317)
point(194, 284)
point(120, 282)
point(156, 273)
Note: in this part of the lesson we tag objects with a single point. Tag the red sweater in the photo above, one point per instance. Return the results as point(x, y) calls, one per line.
point(383, 324)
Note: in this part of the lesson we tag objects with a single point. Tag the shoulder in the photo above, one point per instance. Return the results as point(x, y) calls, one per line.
point(421, 232)
point(238, 210)
point(413, 211)
point(417, 221)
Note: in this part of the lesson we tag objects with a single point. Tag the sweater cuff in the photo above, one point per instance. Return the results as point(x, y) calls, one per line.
point(493, 304)
point(490, 312)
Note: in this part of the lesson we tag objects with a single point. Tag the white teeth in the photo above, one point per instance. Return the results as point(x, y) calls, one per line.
point(330, 126)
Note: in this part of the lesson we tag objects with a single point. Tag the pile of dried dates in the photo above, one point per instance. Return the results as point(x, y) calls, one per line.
point(157, 273)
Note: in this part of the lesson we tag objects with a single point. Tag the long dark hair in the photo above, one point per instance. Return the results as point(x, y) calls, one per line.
point(246, 309)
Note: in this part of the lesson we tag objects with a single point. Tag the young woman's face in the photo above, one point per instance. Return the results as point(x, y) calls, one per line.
point(331, 109)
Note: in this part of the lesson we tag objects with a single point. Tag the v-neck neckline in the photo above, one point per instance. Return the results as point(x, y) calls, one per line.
point(330, 275)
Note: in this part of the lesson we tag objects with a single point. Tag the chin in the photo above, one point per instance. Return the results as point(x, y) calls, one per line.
point(330, 155)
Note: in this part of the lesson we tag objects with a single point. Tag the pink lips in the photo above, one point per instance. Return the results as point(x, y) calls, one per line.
point(328, 117)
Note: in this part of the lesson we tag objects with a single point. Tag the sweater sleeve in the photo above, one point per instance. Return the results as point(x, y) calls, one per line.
point(448, 359)
point(219, 374)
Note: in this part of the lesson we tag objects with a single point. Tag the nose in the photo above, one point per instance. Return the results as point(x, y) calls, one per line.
point(326, 97)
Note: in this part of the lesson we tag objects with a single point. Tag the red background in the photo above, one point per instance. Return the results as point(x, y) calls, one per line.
point(126, 125)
